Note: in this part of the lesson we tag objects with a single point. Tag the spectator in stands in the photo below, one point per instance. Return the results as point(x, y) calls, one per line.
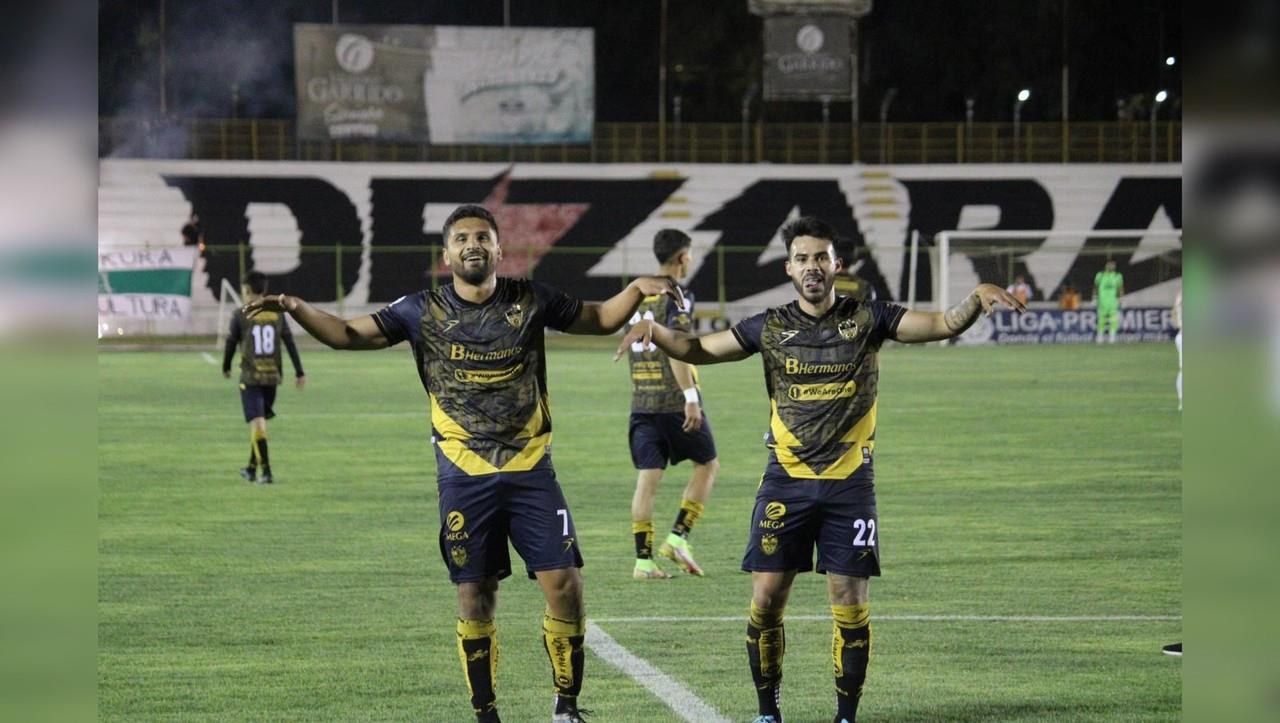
point(1069, 299)
point(193, 232)
point(1020, 289)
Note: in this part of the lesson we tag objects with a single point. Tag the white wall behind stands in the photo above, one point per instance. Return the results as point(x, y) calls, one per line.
point(585, 227)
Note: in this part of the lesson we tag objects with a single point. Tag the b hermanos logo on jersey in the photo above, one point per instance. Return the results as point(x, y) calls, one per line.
point(460, 351)
point(796, 366)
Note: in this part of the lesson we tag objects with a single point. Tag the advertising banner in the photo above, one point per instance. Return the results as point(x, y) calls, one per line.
point(1080, 326)
point(806, 57)
point(445, 84)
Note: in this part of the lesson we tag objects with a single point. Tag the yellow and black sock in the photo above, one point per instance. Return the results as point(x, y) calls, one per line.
point(478, 651)
point(643, 532)
point(850, 654)
point(563, 642)
point(690, 511)
point(766, 644)
point(258, 449)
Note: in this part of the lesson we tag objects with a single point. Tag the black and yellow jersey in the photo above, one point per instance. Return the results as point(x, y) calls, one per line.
point(821, 376)
point(260, 339)
point(484, 369)
point(654, 388)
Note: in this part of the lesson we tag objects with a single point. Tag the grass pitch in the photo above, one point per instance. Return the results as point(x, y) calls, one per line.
point(1037, 481)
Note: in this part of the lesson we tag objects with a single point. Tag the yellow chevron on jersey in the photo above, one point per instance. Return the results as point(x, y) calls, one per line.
point(453, 443)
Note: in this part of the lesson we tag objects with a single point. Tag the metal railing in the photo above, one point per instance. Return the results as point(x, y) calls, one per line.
point(759, 142)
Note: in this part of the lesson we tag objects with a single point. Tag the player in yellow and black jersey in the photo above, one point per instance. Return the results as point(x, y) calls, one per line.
point(821, 373)
point(667, 422)
point(260, 340)
point(479, 351)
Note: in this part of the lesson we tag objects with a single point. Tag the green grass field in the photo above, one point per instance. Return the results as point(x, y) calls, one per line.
point(1039, 481)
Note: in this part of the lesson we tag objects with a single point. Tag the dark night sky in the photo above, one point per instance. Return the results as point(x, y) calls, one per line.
point(935, 52)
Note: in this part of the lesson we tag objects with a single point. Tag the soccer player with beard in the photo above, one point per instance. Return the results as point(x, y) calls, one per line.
point(479, 349)
point(821, 370)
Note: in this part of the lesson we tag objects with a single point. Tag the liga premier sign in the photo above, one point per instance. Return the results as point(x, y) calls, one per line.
point(1078, 326)
point(806, 57)
point(445, 84)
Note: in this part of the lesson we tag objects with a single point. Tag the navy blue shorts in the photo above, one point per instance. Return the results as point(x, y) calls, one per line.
point(657, 439)
point(479, 513)
point(792, 516)
point(258, 401)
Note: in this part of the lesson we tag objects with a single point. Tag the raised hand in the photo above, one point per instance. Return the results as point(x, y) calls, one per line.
point(655, 285)
point(990, 295)
point(641, 332)
point(270, 302)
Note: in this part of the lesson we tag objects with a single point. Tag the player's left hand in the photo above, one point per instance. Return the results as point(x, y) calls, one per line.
point(302, 382)
point(270, 302)
point(692, 417)
point(989, 295)
point(656, 285)
point(641, 332)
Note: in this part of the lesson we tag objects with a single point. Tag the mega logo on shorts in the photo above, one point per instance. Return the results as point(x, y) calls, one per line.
point(773, 513)
point(455, 522)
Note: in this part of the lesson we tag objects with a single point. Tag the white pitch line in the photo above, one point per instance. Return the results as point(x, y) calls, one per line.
point(209, 358)
point(675, 696)
point(913, 618)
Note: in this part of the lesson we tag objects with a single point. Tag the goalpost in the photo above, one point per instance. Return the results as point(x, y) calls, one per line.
point(996, 260)
point(225, 292)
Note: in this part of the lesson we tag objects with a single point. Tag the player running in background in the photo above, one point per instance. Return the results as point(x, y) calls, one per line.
point(478, 346)
point(667, 422)
point(260, 370)
point(1108, 287)
point(821, 371)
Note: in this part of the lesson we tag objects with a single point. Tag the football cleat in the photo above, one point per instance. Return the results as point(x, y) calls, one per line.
point(266, 478)
point(767, 719)
point(249, 474)
point(677, 549)
point(648, 570)
point(1173, 649)
point(572, 714)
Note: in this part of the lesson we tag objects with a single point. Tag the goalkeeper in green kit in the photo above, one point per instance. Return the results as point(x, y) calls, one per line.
point(1108, 287)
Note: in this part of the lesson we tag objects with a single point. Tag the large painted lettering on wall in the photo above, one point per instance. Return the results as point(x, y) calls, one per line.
point(586, 227)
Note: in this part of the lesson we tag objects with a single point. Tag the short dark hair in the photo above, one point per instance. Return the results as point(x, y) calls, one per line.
point(256, 281)
point(668, 242)
point(808, 226)
point(470, 210)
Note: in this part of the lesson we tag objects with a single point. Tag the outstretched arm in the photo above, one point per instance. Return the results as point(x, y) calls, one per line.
point(721, 346)
point(921, 326)
point(609, 316)
point(358, 333)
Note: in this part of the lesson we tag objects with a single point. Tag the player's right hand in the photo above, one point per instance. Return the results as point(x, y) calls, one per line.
point(641, 332)
point(270, 302)
point(692, 417)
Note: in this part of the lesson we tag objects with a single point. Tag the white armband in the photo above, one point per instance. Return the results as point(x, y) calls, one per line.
point(691, 395)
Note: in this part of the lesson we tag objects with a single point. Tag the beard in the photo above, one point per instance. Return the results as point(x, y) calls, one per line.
point(819, 292)
point(474, 273)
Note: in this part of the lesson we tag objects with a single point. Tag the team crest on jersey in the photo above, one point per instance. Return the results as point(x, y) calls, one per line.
point(515, 315)
point(769, 544)
point(458, 554)
point(848, 329)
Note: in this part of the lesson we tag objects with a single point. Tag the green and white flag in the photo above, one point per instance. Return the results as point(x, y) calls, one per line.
point(150, 284)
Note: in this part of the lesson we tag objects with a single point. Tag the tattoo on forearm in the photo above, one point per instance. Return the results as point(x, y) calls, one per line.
point(962, 315)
